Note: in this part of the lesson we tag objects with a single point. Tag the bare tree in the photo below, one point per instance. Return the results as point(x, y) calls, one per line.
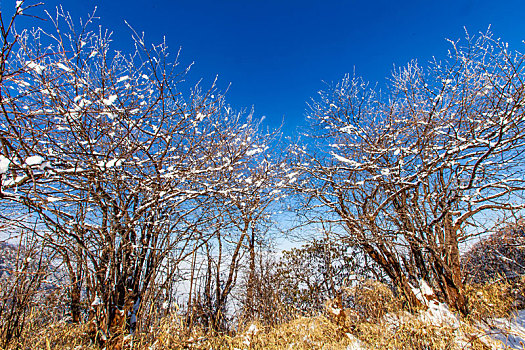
point(406, 173)
point(123, 169)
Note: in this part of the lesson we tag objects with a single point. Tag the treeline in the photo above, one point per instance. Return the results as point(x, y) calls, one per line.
point(126, 199)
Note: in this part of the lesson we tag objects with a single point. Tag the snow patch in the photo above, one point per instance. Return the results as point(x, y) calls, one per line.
point(510, 332)
point(200, 117)
point(346, 160)
point(110, 100)
point(115, 162)
point(34, 160)
point(124, 78)
point(97, 301)
point(64, 67)
point(35, 66)
point(4, 164)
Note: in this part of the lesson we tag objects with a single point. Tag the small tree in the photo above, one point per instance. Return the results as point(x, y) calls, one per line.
point(407, 173)
point(319, 271)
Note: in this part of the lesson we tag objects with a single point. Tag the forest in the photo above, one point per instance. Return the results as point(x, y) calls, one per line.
point(140, 212)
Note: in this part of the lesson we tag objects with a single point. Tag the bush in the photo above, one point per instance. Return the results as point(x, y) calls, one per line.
point(501, 254)
point(371, 300)
point(490, 300)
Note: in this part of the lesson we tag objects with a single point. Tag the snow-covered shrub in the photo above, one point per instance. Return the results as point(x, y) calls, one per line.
point(130, 175)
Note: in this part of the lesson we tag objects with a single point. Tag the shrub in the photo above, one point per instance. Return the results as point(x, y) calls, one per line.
point(371, 300)
point(501, 254)
point(490, 300)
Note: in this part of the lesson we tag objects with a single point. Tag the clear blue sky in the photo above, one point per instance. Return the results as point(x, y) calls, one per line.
point(277, 53)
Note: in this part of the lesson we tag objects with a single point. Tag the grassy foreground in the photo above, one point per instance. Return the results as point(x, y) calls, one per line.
point(377, 320)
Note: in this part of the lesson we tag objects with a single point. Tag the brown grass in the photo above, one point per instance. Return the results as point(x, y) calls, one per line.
point(491, 300)
point(375, 320)
point(372, 300)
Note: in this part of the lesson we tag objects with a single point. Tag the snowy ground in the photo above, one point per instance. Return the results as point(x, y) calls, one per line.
point(510, 332)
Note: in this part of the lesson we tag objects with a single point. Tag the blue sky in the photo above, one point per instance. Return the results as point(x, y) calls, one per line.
point(277, 53)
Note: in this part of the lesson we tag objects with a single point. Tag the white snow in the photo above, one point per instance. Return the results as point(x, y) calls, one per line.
point(253, 152)
point(110, 100)
point(34, 160)
point(200, 117)
point(347, 129)
point(36, 67)
point(97, 301)
point(510, 332)
point(356, 343)
point(115, 162)
point(346, 160)
point(425, 288)
point(45, 166)
point(418, 292)
point(64, 67)
point(4, 165)
point(111, 163)
point(19, 6)
point(15, 181)
point(437, 313)
point(253, 329)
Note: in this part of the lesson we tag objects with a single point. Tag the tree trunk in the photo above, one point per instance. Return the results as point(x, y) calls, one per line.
point(454, 283)
point(388, 262)
point(249, 308)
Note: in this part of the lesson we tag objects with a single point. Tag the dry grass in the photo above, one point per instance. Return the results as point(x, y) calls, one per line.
point(403, 330)
point(372, 300)
point(61, 336)
point(375, 321)
point(410, 333)
point(491, 300)
point(301, 333)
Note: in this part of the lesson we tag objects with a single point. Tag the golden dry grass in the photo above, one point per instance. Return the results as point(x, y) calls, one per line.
point(490, 300)
point(376, 321)
point(371, 300)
